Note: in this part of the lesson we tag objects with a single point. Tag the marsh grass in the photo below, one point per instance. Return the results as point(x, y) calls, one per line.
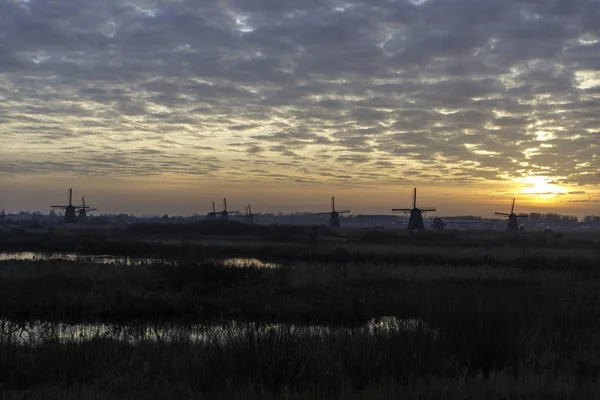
point(504, 319)
point(253, 360)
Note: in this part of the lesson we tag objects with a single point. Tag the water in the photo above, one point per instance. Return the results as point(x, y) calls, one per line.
point(37, 332)
point(91, 258)
point(248, 262)
point(109, 259)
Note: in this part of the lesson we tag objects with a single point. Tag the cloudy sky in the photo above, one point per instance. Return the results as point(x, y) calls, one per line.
point(162, 106)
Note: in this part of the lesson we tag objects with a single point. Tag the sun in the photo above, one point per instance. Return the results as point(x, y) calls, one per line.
point(540, 187)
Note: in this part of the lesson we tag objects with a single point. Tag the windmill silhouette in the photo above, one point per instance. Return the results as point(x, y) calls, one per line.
point(213, 214)
point(83, 210)
point(513, 219)
point(225, 213)
point(249, 216)
point(415, 220)
point(69, 210)
point(334, 216)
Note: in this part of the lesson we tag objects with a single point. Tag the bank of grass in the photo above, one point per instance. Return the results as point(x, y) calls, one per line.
point(302, 291)
point(257, 361)
point(532, 387)
point(319, 245)
point(124, 237)
point(511, 321)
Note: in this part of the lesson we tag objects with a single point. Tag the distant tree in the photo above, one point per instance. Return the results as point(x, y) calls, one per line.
point(535, 217)
point(553, 218)
point(591, 220)
point(569, 220)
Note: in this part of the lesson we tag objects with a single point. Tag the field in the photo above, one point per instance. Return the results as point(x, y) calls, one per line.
point(228, 311)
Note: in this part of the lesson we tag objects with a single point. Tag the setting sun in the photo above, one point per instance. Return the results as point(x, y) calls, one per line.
point(540, 187)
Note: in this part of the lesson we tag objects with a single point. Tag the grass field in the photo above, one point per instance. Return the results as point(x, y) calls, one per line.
point(499, 316)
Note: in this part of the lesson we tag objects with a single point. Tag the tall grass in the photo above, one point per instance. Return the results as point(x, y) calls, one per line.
point(503, 320)
point(288, 362)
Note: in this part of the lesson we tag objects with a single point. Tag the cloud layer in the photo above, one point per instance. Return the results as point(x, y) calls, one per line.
point(360, 92)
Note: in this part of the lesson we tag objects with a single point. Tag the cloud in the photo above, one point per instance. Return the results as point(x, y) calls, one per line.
point(462, 91)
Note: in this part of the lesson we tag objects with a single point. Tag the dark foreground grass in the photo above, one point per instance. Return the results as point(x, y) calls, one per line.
point(301, 292)
point(502, 321)
point(533, 328)
point(497, 387)
point(257, 361)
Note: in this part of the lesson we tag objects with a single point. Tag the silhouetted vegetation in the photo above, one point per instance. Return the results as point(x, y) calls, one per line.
point(495, 315)
point(287, 361)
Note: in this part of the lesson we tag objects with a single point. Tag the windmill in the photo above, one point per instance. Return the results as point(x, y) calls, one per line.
point(513, 219)
point(70, 216)
point(334, 216)
point(212, 215)
point(249, 216)
point(415, 221)
point(83, 210)
point(225, 214)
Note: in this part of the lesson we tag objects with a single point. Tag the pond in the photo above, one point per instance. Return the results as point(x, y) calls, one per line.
point(111, 259)
point(37, 332)
point(91, 258)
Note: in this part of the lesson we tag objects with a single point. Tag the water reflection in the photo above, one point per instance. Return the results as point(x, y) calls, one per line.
point(239, 262)
point(36, 332)
point(91, 258)
point(248, 262)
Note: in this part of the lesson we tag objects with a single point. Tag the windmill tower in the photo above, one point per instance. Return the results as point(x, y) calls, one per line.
point(249, 216)
point(225, 214)
point(513, 219)
point(83, 210)
point(334, 216)
point(70, 216)
point(212, 215)
point(415, 215)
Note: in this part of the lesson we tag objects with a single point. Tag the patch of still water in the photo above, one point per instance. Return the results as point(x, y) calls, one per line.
point(240, 262)
point(91, 258)
point(36, 332)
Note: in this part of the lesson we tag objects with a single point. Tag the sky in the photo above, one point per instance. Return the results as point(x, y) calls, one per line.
point(153, 107)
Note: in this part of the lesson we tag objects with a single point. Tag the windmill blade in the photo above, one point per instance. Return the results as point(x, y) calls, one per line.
point(415, 198)
point(402, 209)
point(512, 210)
point(70, 197)
point(332, 203)
point(504, 214)
point(249, 209)
point(92, 209)
point(58, 206)
point(225, 204)
point(324, 213)
point(343, 212)
point(214, 209)
point(83, 202)
point(427, 209)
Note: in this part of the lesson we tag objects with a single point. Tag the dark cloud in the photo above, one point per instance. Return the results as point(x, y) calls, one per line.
point(463, 90)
